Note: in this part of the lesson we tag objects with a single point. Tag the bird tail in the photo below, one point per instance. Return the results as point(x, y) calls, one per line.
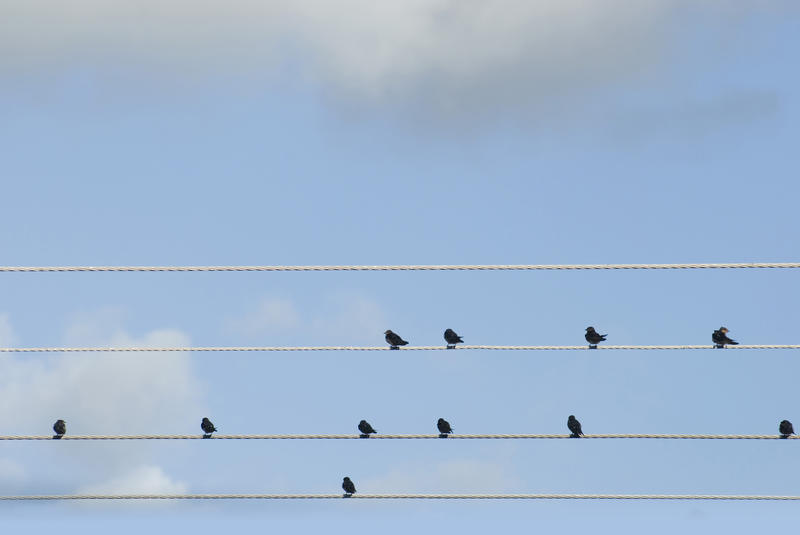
point(733, 343)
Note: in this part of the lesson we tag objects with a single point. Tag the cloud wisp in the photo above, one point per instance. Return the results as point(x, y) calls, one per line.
point(342, 317)
point(455, 475)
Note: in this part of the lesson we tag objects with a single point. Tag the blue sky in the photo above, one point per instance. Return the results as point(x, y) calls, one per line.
point(426, 132)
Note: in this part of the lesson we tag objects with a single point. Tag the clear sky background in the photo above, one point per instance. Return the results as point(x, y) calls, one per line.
point(436, 131)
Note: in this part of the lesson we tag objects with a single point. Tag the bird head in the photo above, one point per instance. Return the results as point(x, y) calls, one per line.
point(723, 330)
point(346, 478)
point(571, 417)
point(589, 329)
point(387, 332)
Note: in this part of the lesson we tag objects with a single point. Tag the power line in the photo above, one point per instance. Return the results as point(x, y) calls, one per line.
point(374, 348)
point(404, 437)
point(720, 497)
point(214, 349)
point(478, 267)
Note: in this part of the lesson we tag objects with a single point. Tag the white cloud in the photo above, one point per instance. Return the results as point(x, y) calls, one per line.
point(144, 479)
point(98, 393)
point(379, 48)
point(94, 391)
point(452, 55)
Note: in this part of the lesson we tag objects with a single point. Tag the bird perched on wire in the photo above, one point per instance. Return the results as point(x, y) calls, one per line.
point(60, 428)
point(574, 426)
point(593, 337)
point(394, 340)
point(452, 339)
point(348, 486)
point(786, 429)
point(720, 339)
point(444, 428)
point(207, 427)
point(365, 429)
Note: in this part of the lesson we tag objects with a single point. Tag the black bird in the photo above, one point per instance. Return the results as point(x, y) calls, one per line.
point(720, 338)
point(786, 429)
point(574, 426)
point(349, 488)
point(452, 339)
point(60, 427)
point(593, 337)
point(365, 429)
point(444, 428)
point(394, 340)
point(207, 427)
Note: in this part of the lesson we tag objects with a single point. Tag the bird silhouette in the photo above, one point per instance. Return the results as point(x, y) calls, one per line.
point(452, 339)
point(207, 427)
point(60, 428)
point(786, 429)
point(574, 426)
point(593, 337)
point(444, 428)
point(394, 340)
point(720, 338)
point(365, 429)
point(348, 486)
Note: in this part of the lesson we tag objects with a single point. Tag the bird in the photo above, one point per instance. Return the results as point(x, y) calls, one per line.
point(207, 427)
point(348, 486)
point(786, 429)
point(444, 428)
point(452, 339)
point(365, 429)
point(574, 426)
point(593, 337)
point(60, 427)
point(394, 340)
point(720, 338)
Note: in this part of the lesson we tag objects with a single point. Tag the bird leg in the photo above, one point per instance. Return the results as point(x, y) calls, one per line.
point(451, 346)
point(363, 435)
point(394, 347)
point(347, 495)
point(208, 435)
point(443, 435)
point(57, 437)
point(592, 346)
point(719, 346)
